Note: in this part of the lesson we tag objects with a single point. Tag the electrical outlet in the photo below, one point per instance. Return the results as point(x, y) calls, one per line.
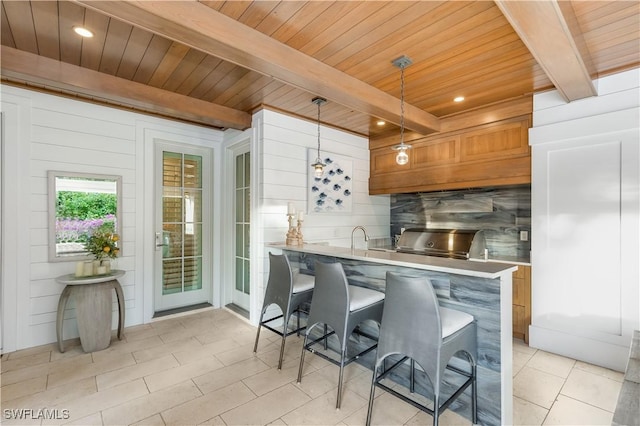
point(524, 235)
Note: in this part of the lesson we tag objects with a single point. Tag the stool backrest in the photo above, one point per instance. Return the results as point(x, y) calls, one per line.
point(410, 320)
point(280, 281)
point(330, 296)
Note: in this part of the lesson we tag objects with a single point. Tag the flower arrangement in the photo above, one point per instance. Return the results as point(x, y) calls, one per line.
point(103, 244)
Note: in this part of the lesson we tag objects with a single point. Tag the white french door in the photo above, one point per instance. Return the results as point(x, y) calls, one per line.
point(183, 226)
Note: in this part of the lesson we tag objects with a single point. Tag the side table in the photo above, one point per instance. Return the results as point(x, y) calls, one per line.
point(93, 308)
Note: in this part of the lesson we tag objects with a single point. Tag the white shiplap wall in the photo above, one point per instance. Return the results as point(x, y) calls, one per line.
point(44, 132)
point(282, 142)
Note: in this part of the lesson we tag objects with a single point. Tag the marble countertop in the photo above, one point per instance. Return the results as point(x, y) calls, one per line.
point(481, 269)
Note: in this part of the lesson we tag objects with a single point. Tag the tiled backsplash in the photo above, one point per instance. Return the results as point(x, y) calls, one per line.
point(502, 212)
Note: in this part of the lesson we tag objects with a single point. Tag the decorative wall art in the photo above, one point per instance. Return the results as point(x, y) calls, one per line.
point(333, 191)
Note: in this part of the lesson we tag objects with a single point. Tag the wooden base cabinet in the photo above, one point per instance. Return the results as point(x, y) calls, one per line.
point(522, 302)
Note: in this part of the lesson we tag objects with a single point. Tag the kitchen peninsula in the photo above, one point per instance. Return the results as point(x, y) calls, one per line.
point(482, 289)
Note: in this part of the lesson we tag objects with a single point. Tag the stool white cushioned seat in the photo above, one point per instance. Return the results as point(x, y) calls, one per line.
point(359, 297)
point(453, 320)
point(303, 282)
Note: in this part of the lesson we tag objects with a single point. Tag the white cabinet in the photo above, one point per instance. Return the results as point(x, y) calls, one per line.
point(585, 227)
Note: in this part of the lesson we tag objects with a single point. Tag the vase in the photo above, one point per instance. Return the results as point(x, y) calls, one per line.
point(107, 264)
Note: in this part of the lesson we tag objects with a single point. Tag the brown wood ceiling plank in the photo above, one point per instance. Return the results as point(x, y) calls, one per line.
point(279, 16)
point(203, 28)
point(487, 41)
point(115, 44)
point(387, 48)
point(197, 76)
point(468, 21)
point(233, 91)
point(360, 14)
point(256, 12)
point(375, 36)
point(314, 27)
point(152, 59)
point(615, 12)
point(24, 35)
point(235, 9)
point(189, 63)
point(45, 20)
point(216, 74)
point(299, 20)
point(71, 15)
point(41, 70)
point(137, 45)
point(544, 30)
point(230, 78)
point(92, 47)
point(169, 63)
point(5, 29)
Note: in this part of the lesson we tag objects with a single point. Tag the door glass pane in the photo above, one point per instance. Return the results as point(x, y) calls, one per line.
point(172, 205)
point(171, 276)
point(246, 241)
point(239, 172)
point(239, 274)
point(182, 222)
point(173, 235)
point(171, 169)
point(239, 206)
point(192, 273)
point(239, 240)
point(247, 284)
point(192, 171)
point(247, 169)
point(193, 205)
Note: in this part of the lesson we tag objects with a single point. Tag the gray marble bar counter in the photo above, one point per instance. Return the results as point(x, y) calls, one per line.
point(482, 289)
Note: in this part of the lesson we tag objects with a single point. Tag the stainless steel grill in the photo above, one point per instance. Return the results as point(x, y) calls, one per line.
point(451, 243)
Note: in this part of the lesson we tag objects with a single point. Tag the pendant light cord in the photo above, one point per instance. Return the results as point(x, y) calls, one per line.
point(318, 103)
point(402, 105)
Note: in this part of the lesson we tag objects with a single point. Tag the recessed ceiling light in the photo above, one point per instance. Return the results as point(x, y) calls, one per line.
point(83, 32)
point(381, 122)
point(458, 99)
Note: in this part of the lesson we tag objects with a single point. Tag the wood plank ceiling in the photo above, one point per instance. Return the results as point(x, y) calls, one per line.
point(216, 62)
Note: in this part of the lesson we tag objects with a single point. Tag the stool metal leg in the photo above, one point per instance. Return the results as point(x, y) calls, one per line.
point(255, 346)
point(304, 344)
point(412, 377)
point(343, 354)
point(474, 394)
point(372, 394)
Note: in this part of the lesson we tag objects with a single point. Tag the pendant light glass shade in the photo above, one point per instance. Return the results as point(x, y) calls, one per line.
point(402, 157)
point(318, 165)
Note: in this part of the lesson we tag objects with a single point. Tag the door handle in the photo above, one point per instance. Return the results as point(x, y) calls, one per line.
point(159, 241)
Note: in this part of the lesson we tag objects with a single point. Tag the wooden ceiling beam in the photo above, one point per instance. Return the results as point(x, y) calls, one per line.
point(202, 28)
point(548, 30)
point(24, 66)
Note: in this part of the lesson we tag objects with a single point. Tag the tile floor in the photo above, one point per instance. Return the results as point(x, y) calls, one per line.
point(200, 369)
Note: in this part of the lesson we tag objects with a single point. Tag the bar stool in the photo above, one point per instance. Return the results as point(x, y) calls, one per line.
point(340, 306)
point(417, 328)
point(289, 291)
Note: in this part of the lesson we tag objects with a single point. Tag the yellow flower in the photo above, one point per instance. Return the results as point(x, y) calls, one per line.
point(106, 249)
point(115, 237)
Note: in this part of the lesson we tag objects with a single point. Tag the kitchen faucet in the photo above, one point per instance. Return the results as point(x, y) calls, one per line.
point(366, 237)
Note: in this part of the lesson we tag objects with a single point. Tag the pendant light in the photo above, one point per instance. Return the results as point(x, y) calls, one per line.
point(402, 157)
point(318, 165)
